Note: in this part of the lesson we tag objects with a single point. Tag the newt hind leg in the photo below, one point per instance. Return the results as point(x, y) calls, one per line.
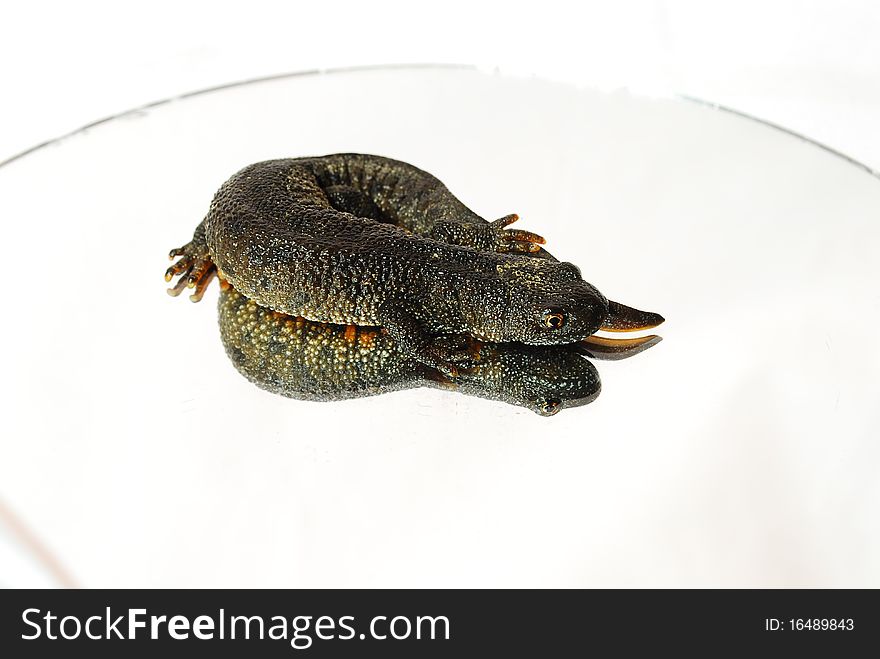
point(195, 268)
point(488, 236)
point(514, 240)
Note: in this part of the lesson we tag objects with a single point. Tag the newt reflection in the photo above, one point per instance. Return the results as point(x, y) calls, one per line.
point(309, 360)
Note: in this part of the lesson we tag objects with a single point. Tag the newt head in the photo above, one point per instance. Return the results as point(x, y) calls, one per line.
point(550, 304)
point(544, 379)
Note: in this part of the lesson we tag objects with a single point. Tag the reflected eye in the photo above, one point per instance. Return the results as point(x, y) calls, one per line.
point(548, 407)
point(554, 318)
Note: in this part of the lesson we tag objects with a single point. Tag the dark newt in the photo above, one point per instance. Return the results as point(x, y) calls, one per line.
point(366, 240)
point(308, 360)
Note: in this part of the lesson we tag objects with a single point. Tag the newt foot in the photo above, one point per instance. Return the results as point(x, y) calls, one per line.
point(195, 269)
point(514, 240)
point(452, 354)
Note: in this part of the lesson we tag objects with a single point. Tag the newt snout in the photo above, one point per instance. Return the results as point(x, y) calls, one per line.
point(621, 318)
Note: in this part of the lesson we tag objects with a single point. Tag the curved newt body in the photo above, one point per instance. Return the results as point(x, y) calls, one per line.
point(365, 240)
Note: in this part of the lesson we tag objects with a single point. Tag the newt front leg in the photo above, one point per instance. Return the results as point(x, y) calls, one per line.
point(447, 353)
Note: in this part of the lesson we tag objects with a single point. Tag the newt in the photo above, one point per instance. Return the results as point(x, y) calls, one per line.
point(355, 239)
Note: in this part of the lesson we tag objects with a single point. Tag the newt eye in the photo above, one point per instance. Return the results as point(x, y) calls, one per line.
point(548, 406)
point(554, 318)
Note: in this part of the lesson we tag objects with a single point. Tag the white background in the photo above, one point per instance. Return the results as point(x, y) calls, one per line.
point(812, 68)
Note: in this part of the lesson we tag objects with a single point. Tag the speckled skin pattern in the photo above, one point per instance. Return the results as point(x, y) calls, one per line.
point(309, 360)
point(365, 240)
